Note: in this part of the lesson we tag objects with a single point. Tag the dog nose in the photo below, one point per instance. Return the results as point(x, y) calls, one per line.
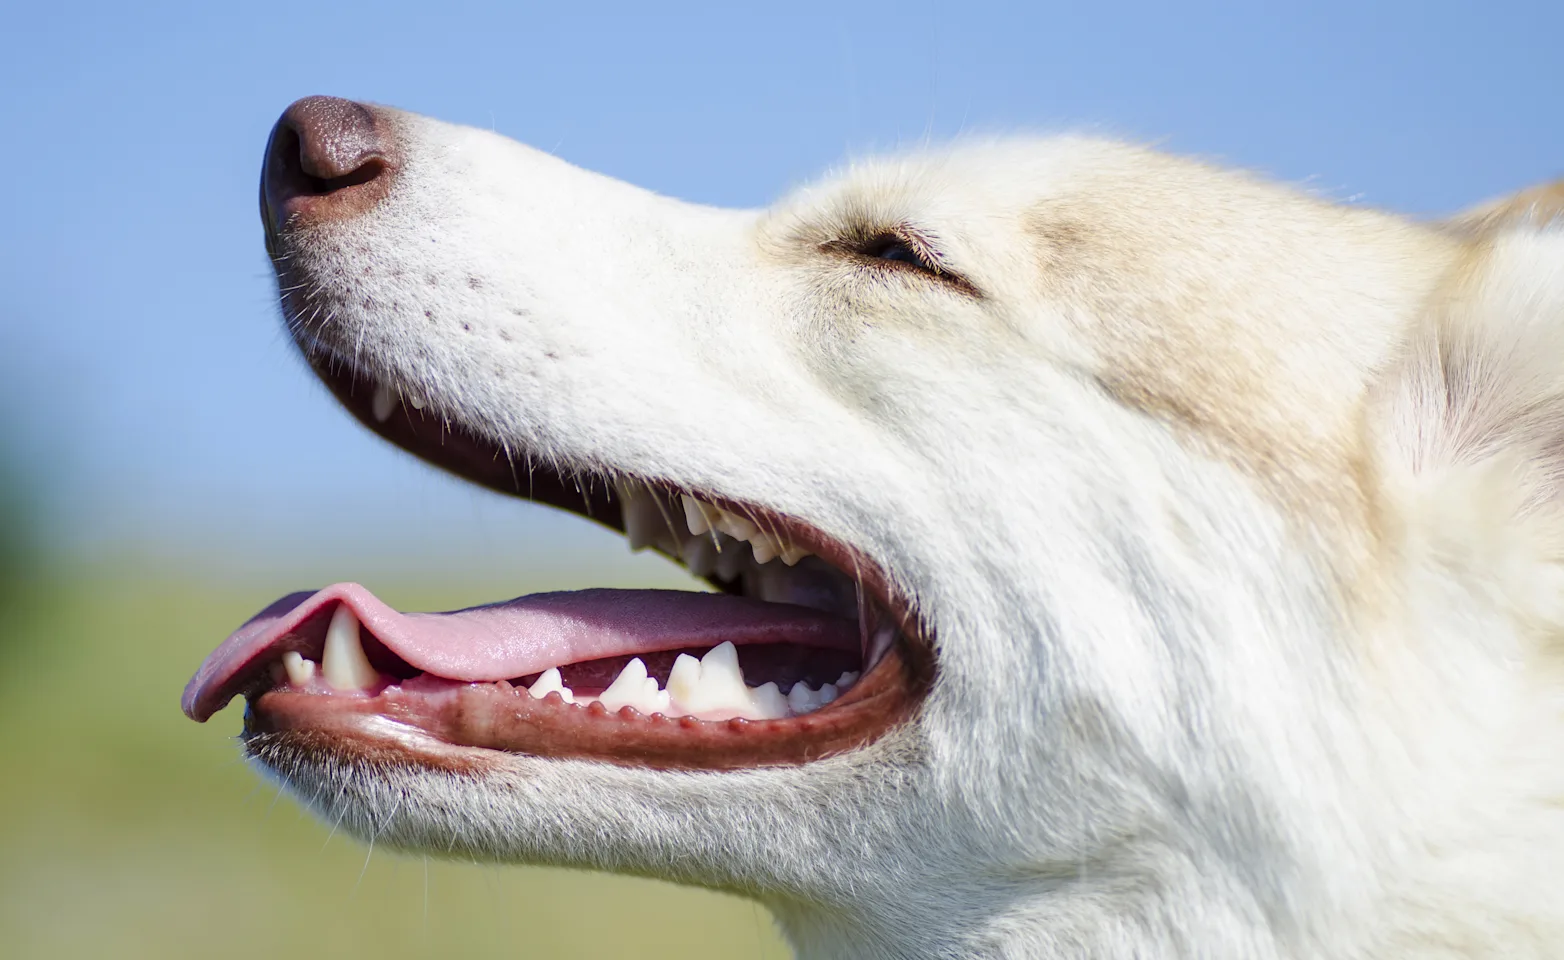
point(327, 159)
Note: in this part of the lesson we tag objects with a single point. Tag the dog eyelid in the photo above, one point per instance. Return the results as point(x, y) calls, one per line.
point(894, 247)
point(901, 247)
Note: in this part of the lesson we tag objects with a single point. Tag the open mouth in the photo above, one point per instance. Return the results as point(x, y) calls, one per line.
point(804, 651)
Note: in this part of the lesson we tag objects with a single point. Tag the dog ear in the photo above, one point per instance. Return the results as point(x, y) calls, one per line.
point(1471, 416)
point(1536, 207)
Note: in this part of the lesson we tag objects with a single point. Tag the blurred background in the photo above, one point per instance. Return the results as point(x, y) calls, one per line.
point(167, 465)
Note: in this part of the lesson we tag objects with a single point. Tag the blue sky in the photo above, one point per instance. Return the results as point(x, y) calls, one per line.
point(141, 357)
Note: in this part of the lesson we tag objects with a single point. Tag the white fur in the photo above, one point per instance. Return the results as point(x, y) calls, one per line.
point(1247, 623)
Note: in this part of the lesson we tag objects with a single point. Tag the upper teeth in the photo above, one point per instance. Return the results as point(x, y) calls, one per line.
point(711, 688)
point(649, 522)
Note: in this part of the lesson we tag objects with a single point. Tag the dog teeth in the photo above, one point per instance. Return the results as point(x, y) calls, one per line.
point(549, 682)
point(344, 664)
point(702, 518)
point(802, 699)
point(698, 516)
point(700, 556)
point(298, 670)
point(765, 546)
point(711, 688)
point(383, 403)
point(731, 561)
point(684, 680)
point(633, 688)
point(642, 519)
point(735, 526)
point(768, 701)
point(791, 555)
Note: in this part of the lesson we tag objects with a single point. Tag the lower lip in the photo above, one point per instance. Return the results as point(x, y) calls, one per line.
point(446, 724)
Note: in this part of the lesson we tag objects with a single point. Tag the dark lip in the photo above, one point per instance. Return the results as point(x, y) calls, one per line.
point(461, 725)
point(468, 727)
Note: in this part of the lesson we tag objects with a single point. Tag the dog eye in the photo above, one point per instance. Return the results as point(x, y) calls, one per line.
point(894, 248)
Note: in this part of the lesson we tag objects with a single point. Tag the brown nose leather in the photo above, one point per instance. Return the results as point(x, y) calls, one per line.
point(327, 159)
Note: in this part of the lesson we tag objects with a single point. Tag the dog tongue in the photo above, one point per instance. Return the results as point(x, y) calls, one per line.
point(515, 638)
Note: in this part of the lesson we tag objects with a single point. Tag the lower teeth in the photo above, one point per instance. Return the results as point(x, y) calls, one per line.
point(711, 688)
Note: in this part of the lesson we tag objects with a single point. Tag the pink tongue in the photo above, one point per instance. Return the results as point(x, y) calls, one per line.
point(511, 639)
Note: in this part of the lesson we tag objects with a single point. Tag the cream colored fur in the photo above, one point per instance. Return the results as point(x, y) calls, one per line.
point(1237, 517)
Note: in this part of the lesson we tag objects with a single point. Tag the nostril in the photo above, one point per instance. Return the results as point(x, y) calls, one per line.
point(304, 168)
point(321, 148)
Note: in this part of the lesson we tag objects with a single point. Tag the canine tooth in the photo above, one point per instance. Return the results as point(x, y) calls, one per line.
point(415, 401)
point(765, 546)
point(300, 671)
point(827, 693)
point(698, 516)
point(382, 404)
point(629, 689)
point(344, 664)
point(550, 682)
point(768, 702)
point(700, 555)
point(735, 526)
point(846, 680)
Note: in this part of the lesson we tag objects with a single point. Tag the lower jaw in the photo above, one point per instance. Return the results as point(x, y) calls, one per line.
point(453, 725)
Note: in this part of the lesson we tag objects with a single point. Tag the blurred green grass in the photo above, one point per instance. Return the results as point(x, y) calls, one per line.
point(128, 831)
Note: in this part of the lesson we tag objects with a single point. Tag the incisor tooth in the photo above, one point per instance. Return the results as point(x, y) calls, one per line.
point(549, 682)
point(300, 671)
point(382, 403)
point(344, 664)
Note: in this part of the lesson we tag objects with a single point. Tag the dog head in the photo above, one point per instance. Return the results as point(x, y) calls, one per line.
point(1151, 490)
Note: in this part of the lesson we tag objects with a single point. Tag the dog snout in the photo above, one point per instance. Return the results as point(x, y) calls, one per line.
point(327, 159)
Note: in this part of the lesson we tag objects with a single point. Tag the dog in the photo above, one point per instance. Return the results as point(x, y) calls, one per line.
point(1111, 555)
